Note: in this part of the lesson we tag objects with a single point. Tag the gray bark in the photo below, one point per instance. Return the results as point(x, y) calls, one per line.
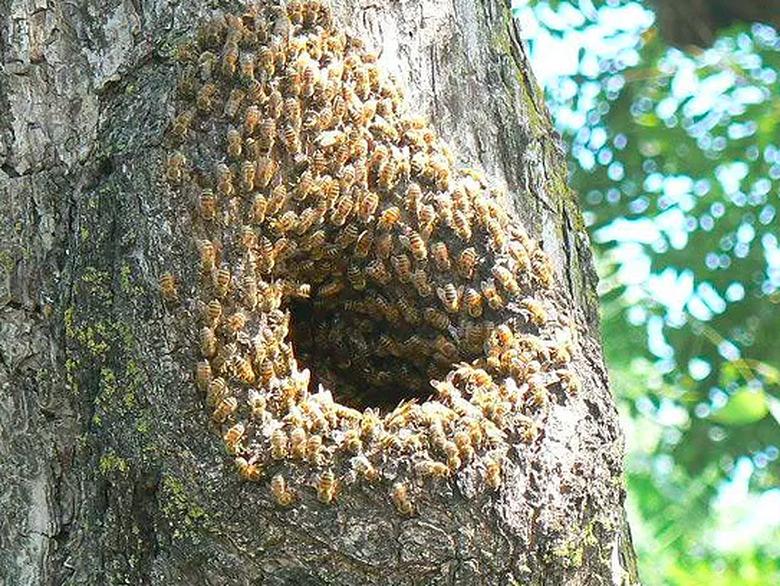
point(109, 473)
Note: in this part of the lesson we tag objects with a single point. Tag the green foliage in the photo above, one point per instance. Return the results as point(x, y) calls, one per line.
point(677, 158)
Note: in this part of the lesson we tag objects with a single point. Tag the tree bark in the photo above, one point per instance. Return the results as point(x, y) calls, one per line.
point(109, 472)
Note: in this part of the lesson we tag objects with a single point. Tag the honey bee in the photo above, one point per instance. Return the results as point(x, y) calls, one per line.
point(377, 271)
point(229, 58)
point(327, 487)
point(206, 97)
point(281, 494)
point(266, 169)
point(248, 173)
point(463, 441)
point(175, 167)
point(507, 280)
point(182, 124)
point(461, 225)
point(413, 197)
point(431, 469)
point(495, 301)
point(389, 218)
point(233, 103)
point(168, 287)
point(278, 444)
point(252, 117)
point(436, 318)
point(217, 390)
point(242, 370)
point(535, 310)
point(224, 180)
point(224, 409)
point(540, 263)
point(421, 284)
point(234, 143)
point(450, 297)
point(570, 381)
point(233, 437)
point(277, 201)
point(402, 266)
point(207, 205)
point(493, 474)
point(355, 277)
point(352, 441)
point(249, 469)
point(368, 206)
point(441, 256)
point(222, 281)
point(314, 450)
point(473, 302)
point(247, 67)
point(203, 375)
point(298, 443)
point(208, 342)
point(467, 260)
point(364, 467)
point(400, 498)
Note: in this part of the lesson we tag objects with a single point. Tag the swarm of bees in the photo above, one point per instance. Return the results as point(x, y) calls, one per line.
point(334, 231)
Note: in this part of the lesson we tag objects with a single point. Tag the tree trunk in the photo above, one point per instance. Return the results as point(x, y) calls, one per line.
point(111, 470)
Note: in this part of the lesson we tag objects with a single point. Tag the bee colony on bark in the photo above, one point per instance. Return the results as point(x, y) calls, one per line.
point(369, 312)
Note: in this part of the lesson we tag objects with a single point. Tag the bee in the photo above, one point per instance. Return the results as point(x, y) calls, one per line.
point(408, 310)
point(233, 437)
point(224, 180)
point(421, 284)
point(168, 287)
point(419, 163)
point(352, 441)
point(441, 256)
point(249, 291)
point(224, 409)
point(242, 370)
point(249, 469)
point(182, 124)
point(377, 271)
point(222, 281)
point(461, 225)
point(463, 441)
point(278, 444)
point(266, 169)
point(248, 172)
point(507, 280)
point(368, 206)
point(175, 167)
point(208, 342)
point(305, 186)
point(473, 302)
point(504, 336)
point(355, 277)
point(364, 243)
point(467, 260)
point(431, 469)
point(384, 246)
point(436, 318)
point(347, 236)
point(389, 218)
point(535, 310)
point(342, 211)
point(217, 391)
point(252, 117)
point(570, 381)
point(402, 266)
point(233, 103)
point(493, 474)
point(277, 201)
point(247, 67)
point(330, 289)
point(281, 494)
point(291, 139)
point(257, 404)
point(229, 58)
point(287, 223)
point(203, 375)
point(367, 470)
point(540, 263)
point(400, 498)
point(327, 487)
point(298, 443)
point(234, 143)
point(314, 450)
point(414, 242)
point(494, 300)
point(206, 97)
point(207, 205)
point(450, 297)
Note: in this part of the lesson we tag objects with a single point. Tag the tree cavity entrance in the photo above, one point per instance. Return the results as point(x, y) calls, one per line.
point(360, 357)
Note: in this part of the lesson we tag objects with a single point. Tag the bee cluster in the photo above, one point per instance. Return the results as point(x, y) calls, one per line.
point(334, 229)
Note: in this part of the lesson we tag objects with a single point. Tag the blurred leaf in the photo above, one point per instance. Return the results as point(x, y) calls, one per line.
point(744, 407)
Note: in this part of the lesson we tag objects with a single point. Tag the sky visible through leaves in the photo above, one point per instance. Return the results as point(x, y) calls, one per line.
point(676, 156)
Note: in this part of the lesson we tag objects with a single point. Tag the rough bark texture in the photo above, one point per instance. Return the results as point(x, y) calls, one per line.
point(108, 472)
